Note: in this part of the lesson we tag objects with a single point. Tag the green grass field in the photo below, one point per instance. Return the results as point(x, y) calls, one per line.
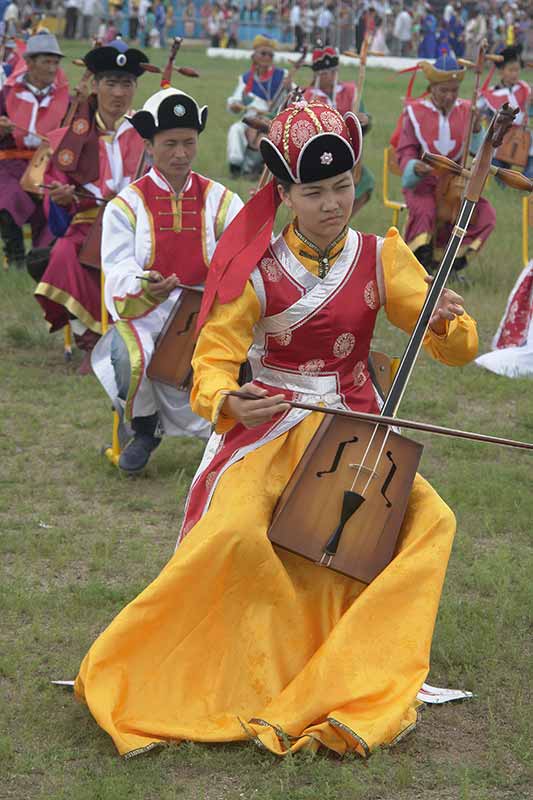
point(78, 541)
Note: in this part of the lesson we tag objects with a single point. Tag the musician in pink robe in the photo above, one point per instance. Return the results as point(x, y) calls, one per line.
point(438, 123)
point(96, 157)
point(33, 101)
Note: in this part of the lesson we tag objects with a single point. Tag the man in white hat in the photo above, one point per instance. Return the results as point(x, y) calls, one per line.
point(33, 101)
point(159, 232)
point(257, 92)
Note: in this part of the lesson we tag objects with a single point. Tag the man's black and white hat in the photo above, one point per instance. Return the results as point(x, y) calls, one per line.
point(168, 109)
point(116, 57)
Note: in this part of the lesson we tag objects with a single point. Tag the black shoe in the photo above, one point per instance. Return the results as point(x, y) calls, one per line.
point(235, 170)
point(136, 455)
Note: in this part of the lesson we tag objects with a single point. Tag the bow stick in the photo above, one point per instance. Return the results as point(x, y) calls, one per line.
point(28, 132)
point(79, 193)
point(399, 423)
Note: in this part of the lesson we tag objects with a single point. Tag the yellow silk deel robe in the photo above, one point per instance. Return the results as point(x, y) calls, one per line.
point(238, 640)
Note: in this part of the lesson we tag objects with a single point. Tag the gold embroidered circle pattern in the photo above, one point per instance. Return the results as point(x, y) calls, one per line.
point(371, 295)
point(301, 132)
point(312, 367)
point(65, 157)
point(271, 270)
point(209, 480)
point(80, 126)
point(331, 121)
point(359, 373)
point(276, 132)
point(344, 344)
point(284, 338)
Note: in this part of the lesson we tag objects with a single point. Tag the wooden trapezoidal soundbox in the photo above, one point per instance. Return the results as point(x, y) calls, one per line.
point(171, 360)
point(310, 509)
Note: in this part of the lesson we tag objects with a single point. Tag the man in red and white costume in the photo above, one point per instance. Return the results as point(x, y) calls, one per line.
point(33, 101)
point(509, 89)
point(97, 156)
point(438, 124)
point(341, 95)
point(164, 226)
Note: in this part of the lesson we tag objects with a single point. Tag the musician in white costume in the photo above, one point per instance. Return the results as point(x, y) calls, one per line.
point(163, 227)
point(257, 91)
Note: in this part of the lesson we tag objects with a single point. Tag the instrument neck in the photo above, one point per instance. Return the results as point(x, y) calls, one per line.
point(403, 374)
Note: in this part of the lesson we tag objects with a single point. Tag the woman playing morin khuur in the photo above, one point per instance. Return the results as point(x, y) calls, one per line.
point(236, 638)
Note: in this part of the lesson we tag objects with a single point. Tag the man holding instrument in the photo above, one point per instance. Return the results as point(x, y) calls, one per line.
point(158, 233)
point(97, 156)
point(341, 95)
point(438, 124)
point(256, 91)
point(33, 101)
point(240, 640)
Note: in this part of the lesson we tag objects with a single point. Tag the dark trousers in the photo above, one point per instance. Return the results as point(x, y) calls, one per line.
point(299, 38)
point(13, 239)
point(71, 23)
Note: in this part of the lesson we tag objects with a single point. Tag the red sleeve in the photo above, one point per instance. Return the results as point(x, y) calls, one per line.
point(408, 145)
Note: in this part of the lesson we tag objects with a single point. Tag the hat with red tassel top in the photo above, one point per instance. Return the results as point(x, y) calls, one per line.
point(307, 142)
point(324, 58)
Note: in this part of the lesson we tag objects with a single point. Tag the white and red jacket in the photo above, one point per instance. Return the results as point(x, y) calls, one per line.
point(35, 111)
point(343, 100)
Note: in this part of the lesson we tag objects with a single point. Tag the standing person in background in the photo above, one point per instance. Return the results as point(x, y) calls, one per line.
point(169, 18)
point(428, 31)
point(205, 13)
point(402, 33)
point(188, 19)
point(296, 25)
point(11, 19)
point(161, 22)
point(88, 10)
point(475, 32)
point(72, 10)
point(133, 20)
point(324, 23)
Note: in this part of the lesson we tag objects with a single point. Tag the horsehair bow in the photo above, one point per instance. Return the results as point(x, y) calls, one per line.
point(379, 419)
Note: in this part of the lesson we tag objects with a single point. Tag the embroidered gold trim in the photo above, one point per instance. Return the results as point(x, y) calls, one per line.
point(63, 298)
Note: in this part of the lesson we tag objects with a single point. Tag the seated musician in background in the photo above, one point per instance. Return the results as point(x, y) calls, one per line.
point(256, 92)
point(98, 156)
point(12, 55)
point(33, 100)
point(340, 95)
point(438, 124)
point(510, 89)
point(164, 226)
point(241, 640)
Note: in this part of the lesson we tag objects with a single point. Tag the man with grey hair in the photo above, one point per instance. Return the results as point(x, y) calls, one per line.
point(33, 101)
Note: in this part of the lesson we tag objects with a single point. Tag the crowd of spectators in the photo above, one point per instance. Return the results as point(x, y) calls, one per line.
point(405, 27)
